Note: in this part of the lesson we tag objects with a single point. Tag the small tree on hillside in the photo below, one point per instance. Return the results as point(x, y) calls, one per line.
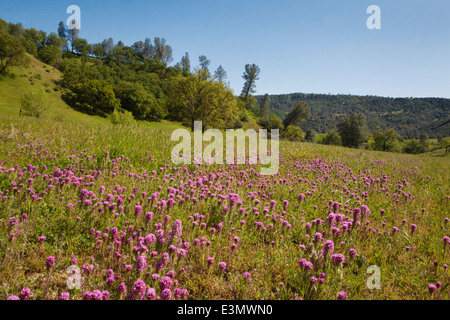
point(123, 118)
point(34, 104)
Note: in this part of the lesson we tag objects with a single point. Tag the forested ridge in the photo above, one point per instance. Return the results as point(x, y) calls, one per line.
point(410, 117)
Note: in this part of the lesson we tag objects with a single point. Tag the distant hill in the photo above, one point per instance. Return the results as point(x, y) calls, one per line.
point(409, 116)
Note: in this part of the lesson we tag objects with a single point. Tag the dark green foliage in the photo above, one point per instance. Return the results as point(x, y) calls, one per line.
point(98, 51)
point(49, 54)
point(162, 51)
point(204, 67)
point(30, 47)
point(33, 35)
point(4, 26)
point(423, 138)
point(299, 113)
point(250, 76)
point(385, 140)
point(332, 138)
point(238, 124)
point(93, 96)
point(310, 136)
point(415, 146)
point(62, 30)
point(186, 64)
point(72, 35)
point(108, 45)
point(159, 51)
point(408, 116)
point(273, 122)
point(247, 104)
point(265, 105)
point(12, 53)
point(54, 40)
point(16, 30)
point(220, 74)
point(140, 102)
point(353, 130)
point(104, 77)
point(204, 63)
point(81, 46)
point(411, 146)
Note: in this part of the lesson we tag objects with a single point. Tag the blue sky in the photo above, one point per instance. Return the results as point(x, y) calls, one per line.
point(320, 46)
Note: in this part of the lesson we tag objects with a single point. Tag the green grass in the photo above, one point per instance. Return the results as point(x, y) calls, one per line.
point(405, 275)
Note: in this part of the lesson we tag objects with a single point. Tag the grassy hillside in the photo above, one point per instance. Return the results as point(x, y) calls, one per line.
point(409, 116)
point(40, 76)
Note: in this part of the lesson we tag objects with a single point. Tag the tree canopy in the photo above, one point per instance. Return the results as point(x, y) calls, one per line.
point(193, 98)
point(299, 113)
point(353, 129)
point(251, 75)
point(12, 53)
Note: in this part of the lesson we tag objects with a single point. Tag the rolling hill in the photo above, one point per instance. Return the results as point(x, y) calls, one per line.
point(409, 116)
point(41, 76)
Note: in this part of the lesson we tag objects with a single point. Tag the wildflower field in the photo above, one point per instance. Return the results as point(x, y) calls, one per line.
point(105, 206)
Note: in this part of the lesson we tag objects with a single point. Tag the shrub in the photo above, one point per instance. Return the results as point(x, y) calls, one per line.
point(124, 118)
point(332, 138)
point(310, 136)
point(34, 104)
point(293, 133)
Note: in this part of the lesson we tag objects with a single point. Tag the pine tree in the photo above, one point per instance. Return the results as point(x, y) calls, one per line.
point(186, 64)
point(264, 109)
point(299, 113)
point(220, 74)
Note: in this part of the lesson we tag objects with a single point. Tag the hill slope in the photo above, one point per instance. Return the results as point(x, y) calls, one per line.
point(40, 76)
point(409, 116)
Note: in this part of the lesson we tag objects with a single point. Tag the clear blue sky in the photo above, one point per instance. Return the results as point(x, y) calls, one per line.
point(320, 46)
